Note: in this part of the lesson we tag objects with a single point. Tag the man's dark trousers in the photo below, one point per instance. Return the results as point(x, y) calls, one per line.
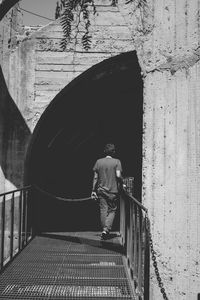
point(108, 203)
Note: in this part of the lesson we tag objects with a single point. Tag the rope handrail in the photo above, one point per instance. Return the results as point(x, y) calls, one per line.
point(68, 199)
point(85, 198)
point(136, 201)
point(61, 198)
point(15, 191)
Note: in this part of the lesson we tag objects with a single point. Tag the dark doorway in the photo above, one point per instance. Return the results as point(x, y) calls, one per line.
point(104, 104)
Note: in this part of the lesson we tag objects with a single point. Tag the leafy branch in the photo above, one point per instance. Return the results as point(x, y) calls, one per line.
point(77, 12)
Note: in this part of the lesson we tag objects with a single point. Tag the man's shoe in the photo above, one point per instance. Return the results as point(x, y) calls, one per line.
point(104, 235)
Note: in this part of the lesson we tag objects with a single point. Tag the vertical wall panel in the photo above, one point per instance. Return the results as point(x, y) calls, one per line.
point(158, 179)
point(172, 168)
point(180, 25)
point(181, 196)
point(148, 139)
point(193, 176)
point(148, 158)
point(171, 180)
point(157, 38)
point(168, 23)
point(192, 23)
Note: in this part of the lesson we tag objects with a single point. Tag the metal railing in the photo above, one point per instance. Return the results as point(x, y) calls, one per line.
point(134, 230)
point(16, 230)
point(15, 223)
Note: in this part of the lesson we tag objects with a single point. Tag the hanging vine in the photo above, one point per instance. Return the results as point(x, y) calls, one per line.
point(77, 13)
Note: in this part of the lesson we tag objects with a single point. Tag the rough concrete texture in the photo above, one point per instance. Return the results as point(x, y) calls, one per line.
point(10, 28)
point(165, 34)
point(13, 130)
point(41, 69)
point(171, 178)
point(170, 61)
point(14, 137)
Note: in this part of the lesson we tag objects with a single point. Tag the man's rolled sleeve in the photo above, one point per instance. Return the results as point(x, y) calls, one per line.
point(119, 166)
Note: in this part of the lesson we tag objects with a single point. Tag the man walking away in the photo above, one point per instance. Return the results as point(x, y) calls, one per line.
point(107, 182)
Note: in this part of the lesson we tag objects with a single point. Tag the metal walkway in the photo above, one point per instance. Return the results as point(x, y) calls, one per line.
point(68, 266)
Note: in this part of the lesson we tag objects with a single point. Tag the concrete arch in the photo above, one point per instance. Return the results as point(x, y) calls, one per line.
point(37, 68)
point(103, 104)
point(28, 61)
point(171, 157)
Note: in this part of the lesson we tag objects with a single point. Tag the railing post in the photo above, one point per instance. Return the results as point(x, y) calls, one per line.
point(122, 220)
point(2, 230)
point(25, 217)
point(129, 182)
point(140, 252)
point(20, 222)
point(130, 240)
point(31, 211)
point(11, 224)
point(137, 246)
point(128, 234)
point(146, 262)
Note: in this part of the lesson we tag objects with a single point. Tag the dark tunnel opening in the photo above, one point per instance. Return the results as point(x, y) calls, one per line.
point(104, 104)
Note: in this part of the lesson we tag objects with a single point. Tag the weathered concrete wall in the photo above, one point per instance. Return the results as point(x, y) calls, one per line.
point(171, 178)
point(170, 61)
point(166, 37)
point(41, 69)
point(14, 136)
point(10, 28)
point(14, 132)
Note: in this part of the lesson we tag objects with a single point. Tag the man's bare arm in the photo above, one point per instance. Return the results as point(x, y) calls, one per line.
point(94, 185)
point(95, 179)
point(120, 179)
point(118, 174)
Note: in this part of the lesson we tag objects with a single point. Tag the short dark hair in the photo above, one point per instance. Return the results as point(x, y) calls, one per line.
point(109, 149)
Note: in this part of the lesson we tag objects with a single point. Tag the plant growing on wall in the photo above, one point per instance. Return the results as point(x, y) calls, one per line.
point(77, 12)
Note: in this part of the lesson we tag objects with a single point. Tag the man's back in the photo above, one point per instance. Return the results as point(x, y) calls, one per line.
point(106, 168)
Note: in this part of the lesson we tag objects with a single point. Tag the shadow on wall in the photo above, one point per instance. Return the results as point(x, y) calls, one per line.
point(14, 138)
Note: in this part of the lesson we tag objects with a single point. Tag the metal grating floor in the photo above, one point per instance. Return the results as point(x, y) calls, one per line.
point(67, 266)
